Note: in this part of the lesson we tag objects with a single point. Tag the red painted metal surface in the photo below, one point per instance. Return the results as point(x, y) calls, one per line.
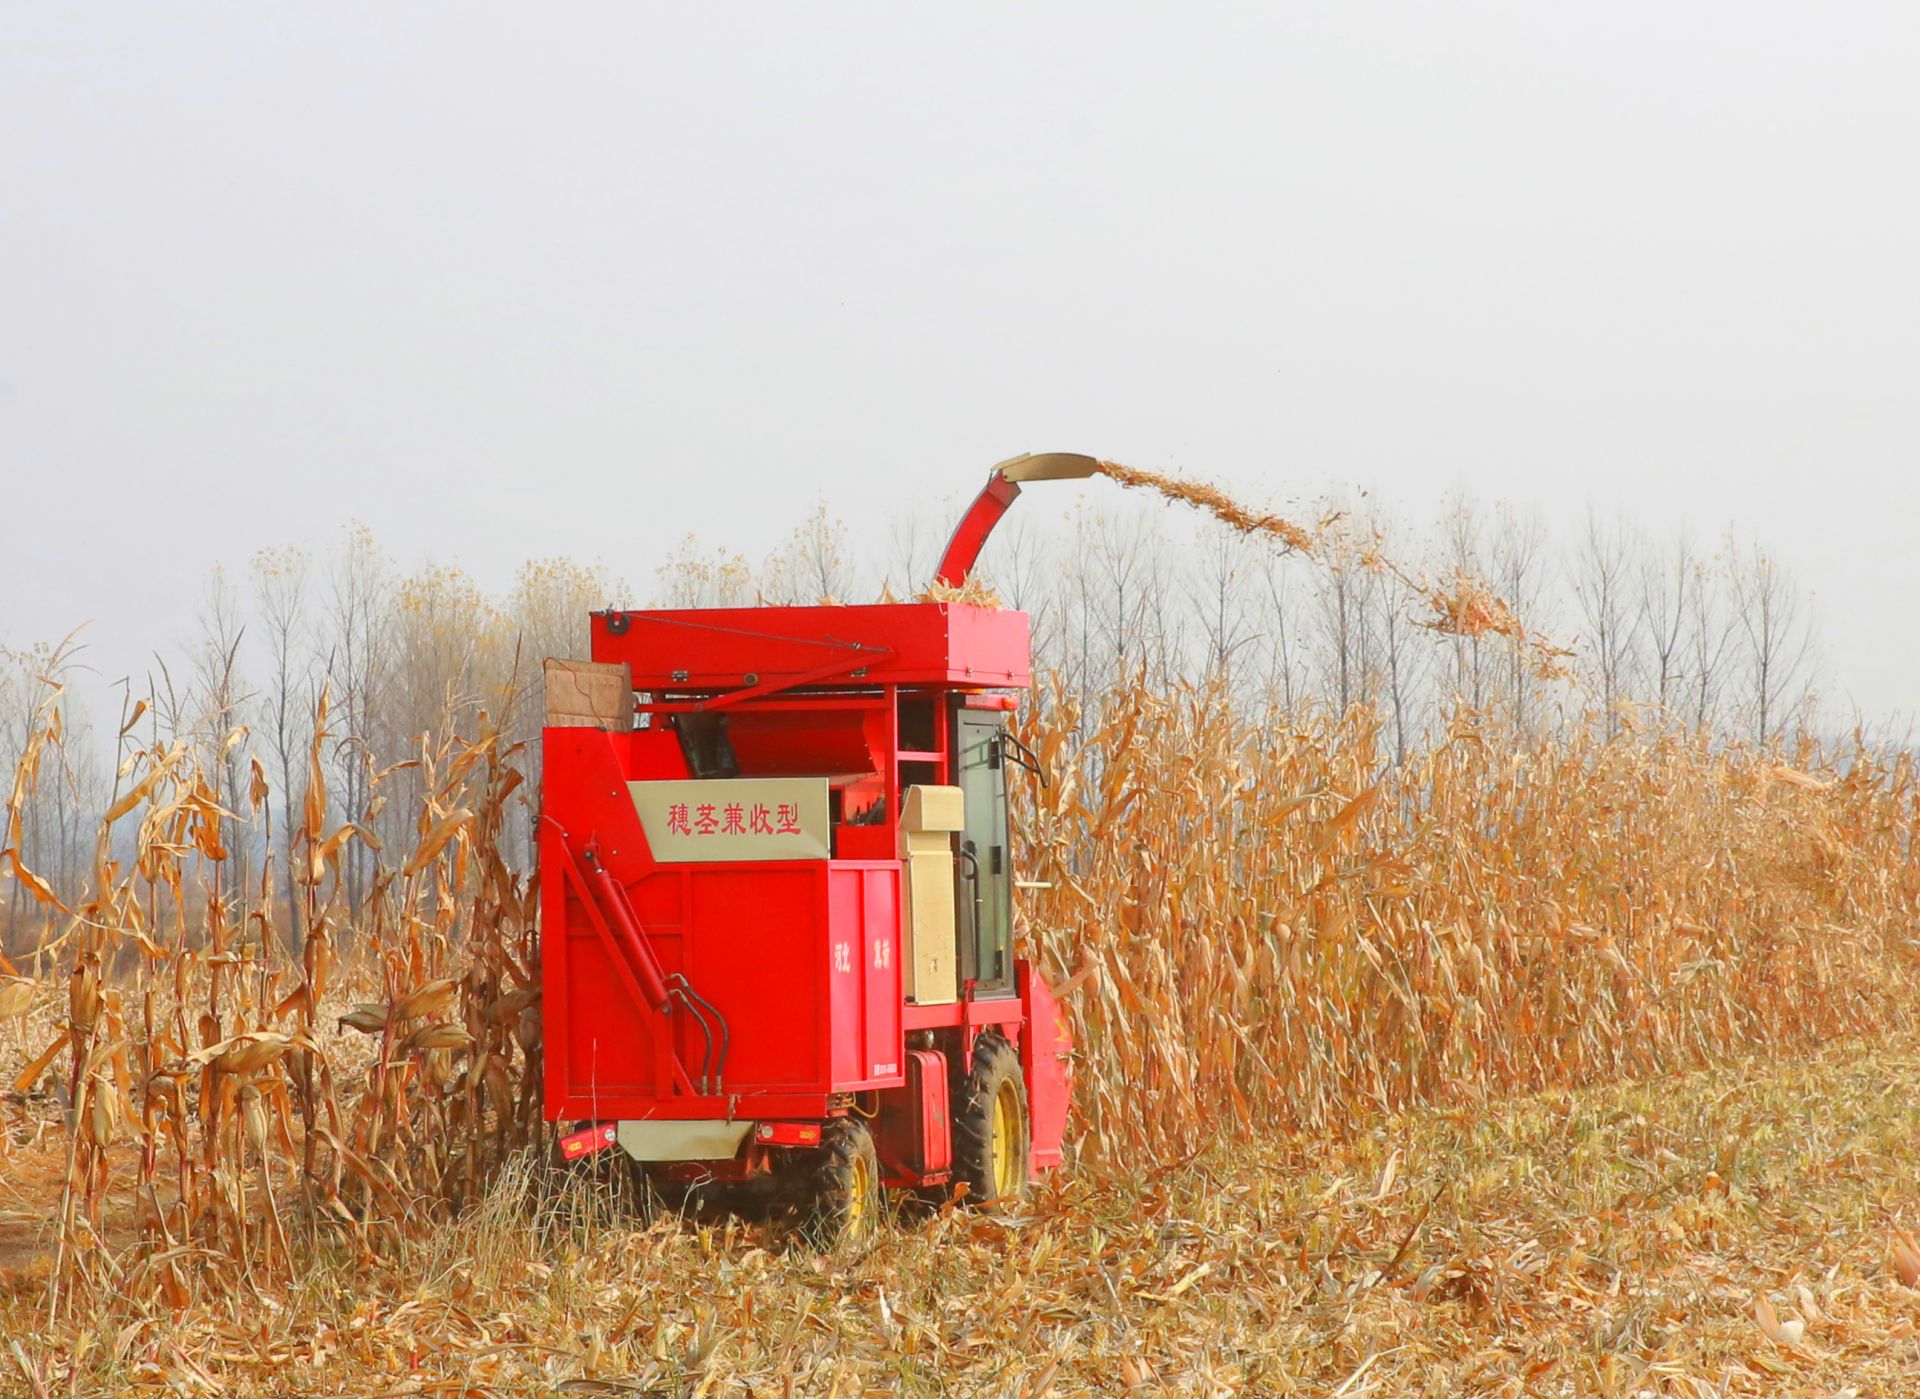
point(787, 743)
point(1001, 490)
point(1046, 1055)
point(1003, 1011)
point(913, 1132)
point(798, 957)
point(669, 1072)
point(970, 536)
point(631, 943)
point(720, 649)
point(863, 909)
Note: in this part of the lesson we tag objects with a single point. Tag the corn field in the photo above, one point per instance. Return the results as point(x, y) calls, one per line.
point(1272, 930)
point(261, 1088)
point(1259, 928)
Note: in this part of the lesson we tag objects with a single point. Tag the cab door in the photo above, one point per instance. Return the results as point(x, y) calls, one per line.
point(984, 889)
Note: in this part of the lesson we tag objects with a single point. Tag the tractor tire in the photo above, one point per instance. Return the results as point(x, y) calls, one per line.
point(844, 1199)
point(992, 1136)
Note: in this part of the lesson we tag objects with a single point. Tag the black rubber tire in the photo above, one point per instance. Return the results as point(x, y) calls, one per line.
point(995, 1063)
point(833, 1219)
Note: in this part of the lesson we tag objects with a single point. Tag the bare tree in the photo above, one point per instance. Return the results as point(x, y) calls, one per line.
point(1519, 554)
point(1081, 642)
point(219, 707)
point(1667, 578)
point(1284, 658)
point(548, 612)
point(1223, 600)
point(280, 588)
point(1473, 654)
point(1403, 661)
point(1125, 574)
point(690, 576)
point(1020, 564)
point(1115, 616)
point(912, 554)
point(1708, 638)
point(1161, 611)
point(812, 565)
point(357, 671)
point(1777, 640)
point(1602, 585)
point(1345, 614)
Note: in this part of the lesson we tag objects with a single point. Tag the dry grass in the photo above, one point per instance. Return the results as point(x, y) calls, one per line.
point(1612, 1241)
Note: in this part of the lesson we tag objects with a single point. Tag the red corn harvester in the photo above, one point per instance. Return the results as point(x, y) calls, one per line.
point(777, 899)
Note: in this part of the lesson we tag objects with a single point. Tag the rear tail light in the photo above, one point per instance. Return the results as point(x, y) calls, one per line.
point(598, 1137)
point(787, 1134)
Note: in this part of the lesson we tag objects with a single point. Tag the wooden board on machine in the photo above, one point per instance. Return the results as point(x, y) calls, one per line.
point(589, 694)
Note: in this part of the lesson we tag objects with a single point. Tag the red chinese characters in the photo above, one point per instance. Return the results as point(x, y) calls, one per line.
point(740, 818)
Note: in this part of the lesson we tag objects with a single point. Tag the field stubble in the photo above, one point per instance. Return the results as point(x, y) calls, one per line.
point(1726, 1232)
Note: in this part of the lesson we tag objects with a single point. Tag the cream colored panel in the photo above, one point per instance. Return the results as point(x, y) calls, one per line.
point(930, 817)
point(933, 809)
point(1049, 466)
point(742, 818)
point(683, 1141)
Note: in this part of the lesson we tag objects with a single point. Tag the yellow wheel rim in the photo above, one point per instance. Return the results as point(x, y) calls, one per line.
point(1008, 1169)
point(860, 1203)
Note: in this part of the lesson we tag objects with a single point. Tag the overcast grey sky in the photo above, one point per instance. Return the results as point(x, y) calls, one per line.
point(508, 281)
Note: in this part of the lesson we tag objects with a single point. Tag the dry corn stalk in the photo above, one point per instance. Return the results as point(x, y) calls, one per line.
point(1271, 929)
point(190, 1036)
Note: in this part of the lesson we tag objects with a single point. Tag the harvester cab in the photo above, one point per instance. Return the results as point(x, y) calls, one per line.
point(777, 898)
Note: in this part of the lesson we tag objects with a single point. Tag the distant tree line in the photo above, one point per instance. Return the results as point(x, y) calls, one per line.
point(396, 653)
point(1662, 630)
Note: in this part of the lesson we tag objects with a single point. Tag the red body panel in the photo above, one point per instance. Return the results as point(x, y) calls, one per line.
point(1046, 1054)
point(864, 925)
point(799, 958)
point(725, 648)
